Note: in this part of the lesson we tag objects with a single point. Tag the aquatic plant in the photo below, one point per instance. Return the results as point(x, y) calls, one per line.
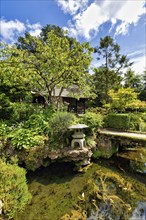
point(78, 214)
point(104, 196)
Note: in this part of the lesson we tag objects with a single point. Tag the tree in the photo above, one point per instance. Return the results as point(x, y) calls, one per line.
point(14, 190)
point(14, 79)
point(133, 80)
point(125, 99)
point(48, 28)
point(142, 94)
point(99, 82)
point(52, 64)
point(113, 62)
point(27, 42)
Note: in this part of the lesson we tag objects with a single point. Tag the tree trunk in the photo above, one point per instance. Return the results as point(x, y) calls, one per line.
point(106, 80)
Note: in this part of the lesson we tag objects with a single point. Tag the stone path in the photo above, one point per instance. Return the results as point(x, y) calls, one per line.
point(138, 136)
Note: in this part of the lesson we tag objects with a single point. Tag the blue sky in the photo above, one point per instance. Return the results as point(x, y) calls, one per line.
point(86, 20)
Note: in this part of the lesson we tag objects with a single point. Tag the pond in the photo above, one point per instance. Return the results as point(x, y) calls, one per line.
point(137, 158)
point(58, 189)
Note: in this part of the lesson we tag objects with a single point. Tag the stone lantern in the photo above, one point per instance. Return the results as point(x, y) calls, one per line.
point(78, 136)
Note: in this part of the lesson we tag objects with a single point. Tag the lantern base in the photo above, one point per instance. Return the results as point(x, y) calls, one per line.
point(78, 143)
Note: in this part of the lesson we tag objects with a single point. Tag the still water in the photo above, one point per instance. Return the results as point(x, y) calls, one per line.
point(58, 189)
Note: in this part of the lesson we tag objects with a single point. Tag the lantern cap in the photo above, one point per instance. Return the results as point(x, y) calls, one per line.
point(78, 126)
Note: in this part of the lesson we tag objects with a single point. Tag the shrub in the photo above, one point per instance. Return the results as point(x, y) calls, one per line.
point(22, 111)
point(25, 138)
point(143, 116)
point(93, 120)
point(142, 126)
point(59, 124)
point(37, 123)
point(138, 122)
point(118, 121)
point(14, 190)
point(4, 129)
point(135, 121)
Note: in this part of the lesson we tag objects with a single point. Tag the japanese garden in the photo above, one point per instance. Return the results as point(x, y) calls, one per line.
point(72, 136)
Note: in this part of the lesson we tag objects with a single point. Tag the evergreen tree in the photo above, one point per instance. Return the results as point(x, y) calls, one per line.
point(113, 62)
point(133, 80)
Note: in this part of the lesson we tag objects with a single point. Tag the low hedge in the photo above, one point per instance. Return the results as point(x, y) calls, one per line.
point(118, 121)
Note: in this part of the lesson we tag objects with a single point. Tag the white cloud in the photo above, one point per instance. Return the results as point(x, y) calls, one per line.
point(122, 28)
point(139, 64)
point(136, 53)
point(87, 18)
point(129, 14)
point(72, 6)
point(34, 29)
point(10, 30)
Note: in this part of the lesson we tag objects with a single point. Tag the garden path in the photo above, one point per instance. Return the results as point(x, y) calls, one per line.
point(138, 136)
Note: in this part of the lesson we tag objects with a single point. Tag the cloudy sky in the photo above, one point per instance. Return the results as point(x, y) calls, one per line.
point(86, 20)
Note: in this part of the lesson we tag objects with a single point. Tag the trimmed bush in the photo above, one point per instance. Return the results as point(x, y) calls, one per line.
point(118, 121)
point(14, 190)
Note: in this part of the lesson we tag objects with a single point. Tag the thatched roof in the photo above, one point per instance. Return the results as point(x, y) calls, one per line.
point(70, 92)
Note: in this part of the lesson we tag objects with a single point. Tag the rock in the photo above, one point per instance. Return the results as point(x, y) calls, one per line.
point(106, 146)
point(82, 156)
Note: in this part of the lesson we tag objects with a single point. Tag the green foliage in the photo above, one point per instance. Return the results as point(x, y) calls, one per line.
point(109, 74)
point(5, 107)
point(135, 121)
point(132, 80)
point(138, 122)
point(93, 120)
point(142, 95)
point(25, 138)
point(99, 80)
point(125, 99)
point(34, 157)
point(33, 132)
point(97, 154)
point(14, 190)
point(59, 124)
point(143, 126)
point(22, 111)
point(4, 129)
point(118, 121)
point(37, 123)
point(65, 61)
point(48, 112)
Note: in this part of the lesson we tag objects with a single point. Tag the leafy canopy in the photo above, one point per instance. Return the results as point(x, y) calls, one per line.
point(125, 99)
point(54, 63)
